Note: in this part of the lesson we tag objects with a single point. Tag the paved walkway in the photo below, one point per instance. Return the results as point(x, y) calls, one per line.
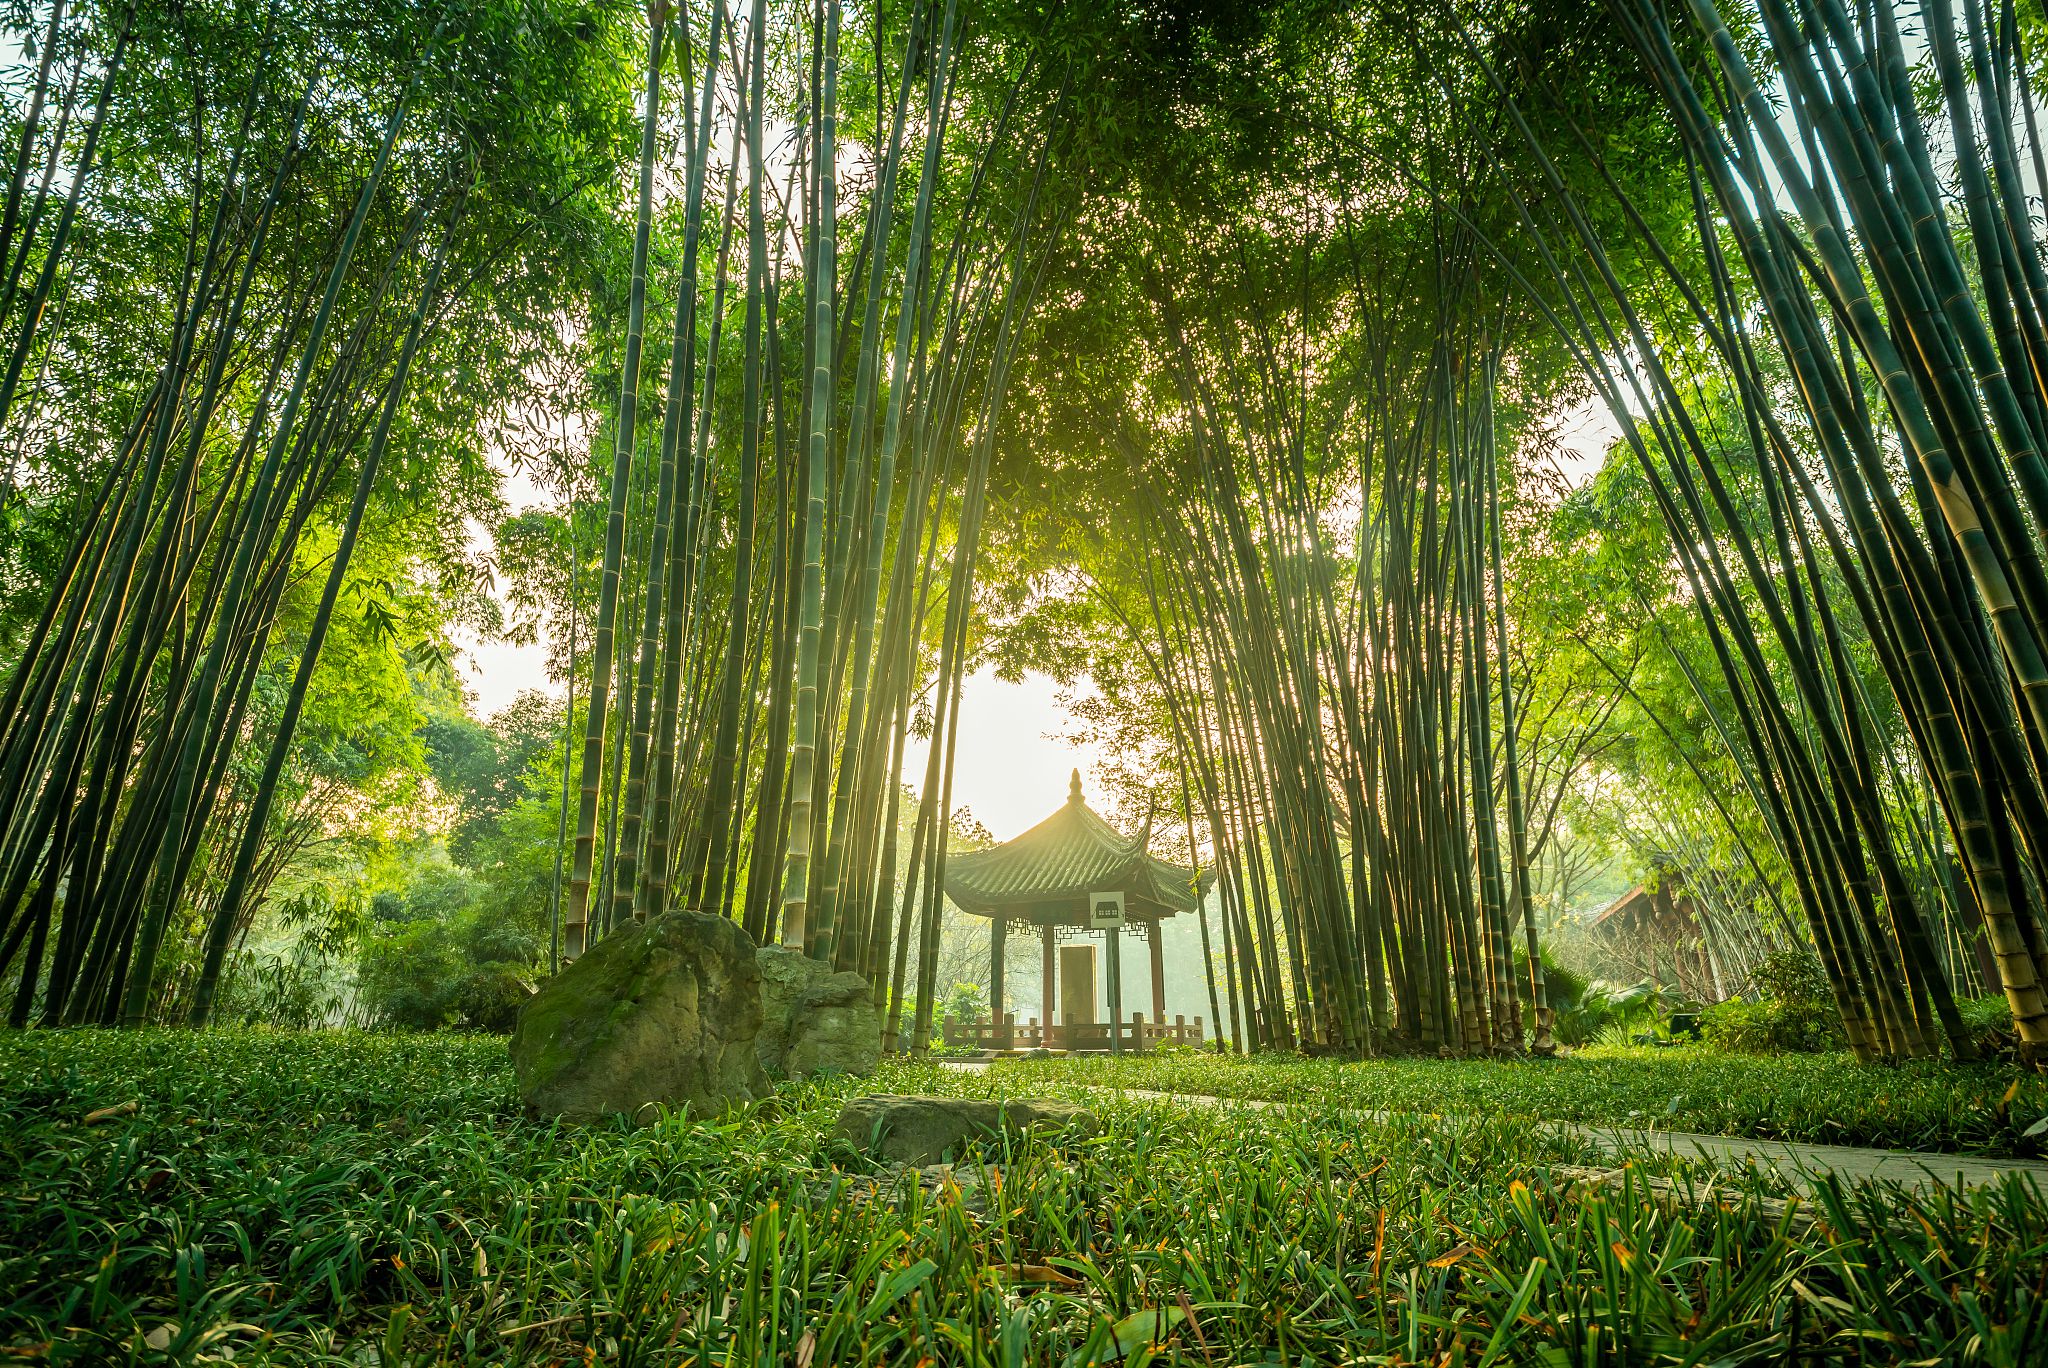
point(1799, 1164)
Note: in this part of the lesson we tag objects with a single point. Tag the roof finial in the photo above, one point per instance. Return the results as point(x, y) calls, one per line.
point(1074, 787)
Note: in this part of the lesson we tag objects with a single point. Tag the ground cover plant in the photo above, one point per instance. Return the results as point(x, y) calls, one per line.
point(345, 1198)
point(1822, 1099)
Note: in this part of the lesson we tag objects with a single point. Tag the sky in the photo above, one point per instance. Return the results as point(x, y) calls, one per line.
point(1013, 763)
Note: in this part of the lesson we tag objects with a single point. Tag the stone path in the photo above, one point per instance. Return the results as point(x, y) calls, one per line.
point(1799, 1164)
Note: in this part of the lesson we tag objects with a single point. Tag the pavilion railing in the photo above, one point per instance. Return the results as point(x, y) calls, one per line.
point(1093, 1037)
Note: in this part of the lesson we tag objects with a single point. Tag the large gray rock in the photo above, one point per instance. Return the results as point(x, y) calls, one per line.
point(813, 1020)
point(662, 1014)
point(918, 1130)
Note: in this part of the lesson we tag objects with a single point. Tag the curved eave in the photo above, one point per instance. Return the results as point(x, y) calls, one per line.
point(1064, 859)
point(984, 887)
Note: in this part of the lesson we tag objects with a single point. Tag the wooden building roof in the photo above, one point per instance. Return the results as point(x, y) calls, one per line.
point(1049, 871)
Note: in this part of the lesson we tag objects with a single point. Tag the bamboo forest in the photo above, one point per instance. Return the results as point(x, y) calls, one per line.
point(1018, 682)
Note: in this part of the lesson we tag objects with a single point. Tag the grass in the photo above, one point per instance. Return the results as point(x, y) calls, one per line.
point(355, 1199)
point(1821, 1099)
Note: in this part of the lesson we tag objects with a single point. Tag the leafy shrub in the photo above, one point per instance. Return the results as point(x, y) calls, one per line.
point(1792, 976)
point(1774, 1025)
point(1989, 1021)
point(1596, 1010)
point(1589, 1010)
point(488, 941)
point(489, 999)
point(1794, 1014)
point(1738, 1026)
point(1579, 1011)
point(403, 975)
point(963, 1002)
point(460, 969)
point(274, 990)
point(1560, 983)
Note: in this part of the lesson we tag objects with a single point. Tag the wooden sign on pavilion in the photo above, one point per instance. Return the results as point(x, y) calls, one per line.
point(1043, 881)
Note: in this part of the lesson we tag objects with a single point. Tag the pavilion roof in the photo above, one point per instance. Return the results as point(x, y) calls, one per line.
point(1066, 857)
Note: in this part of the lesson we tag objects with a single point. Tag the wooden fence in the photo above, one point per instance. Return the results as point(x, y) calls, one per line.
point(1083, 1038)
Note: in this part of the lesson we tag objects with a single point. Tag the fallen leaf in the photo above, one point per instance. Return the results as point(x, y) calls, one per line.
point(1188, 1310)
point(1034, 1273)
point(1450, 1256)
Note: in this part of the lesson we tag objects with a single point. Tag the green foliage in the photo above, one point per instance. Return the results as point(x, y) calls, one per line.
point(1792, 976)
point(406, 976)
point(962, 1002)
point(440, 956)
point(1589, 1010)
point(1582, 1016)
point(482, 768)
point(456, 931)
point(355, 1198)
point(289, 990)
point(1770, 1025)
point(500, 173)
point(1823, 1099)
point(1561, 985)
point(1989, 1021)
point(1741, 1026)
point(1796, 1012)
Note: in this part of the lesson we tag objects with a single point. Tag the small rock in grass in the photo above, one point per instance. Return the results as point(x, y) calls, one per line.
point(920, 1130)
point(662, 1014)
point(971, 1185)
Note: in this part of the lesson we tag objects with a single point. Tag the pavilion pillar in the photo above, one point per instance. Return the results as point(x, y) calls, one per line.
point(1155, 943)
point(998, 934)
point(1051, 962)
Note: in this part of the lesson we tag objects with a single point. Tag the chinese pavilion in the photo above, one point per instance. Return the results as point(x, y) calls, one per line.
point(1041, 882)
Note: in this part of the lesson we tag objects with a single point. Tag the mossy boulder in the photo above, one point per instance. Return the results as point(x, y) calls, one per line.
point(661, 1014)
point(917, 1130)
point(813, 1020)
